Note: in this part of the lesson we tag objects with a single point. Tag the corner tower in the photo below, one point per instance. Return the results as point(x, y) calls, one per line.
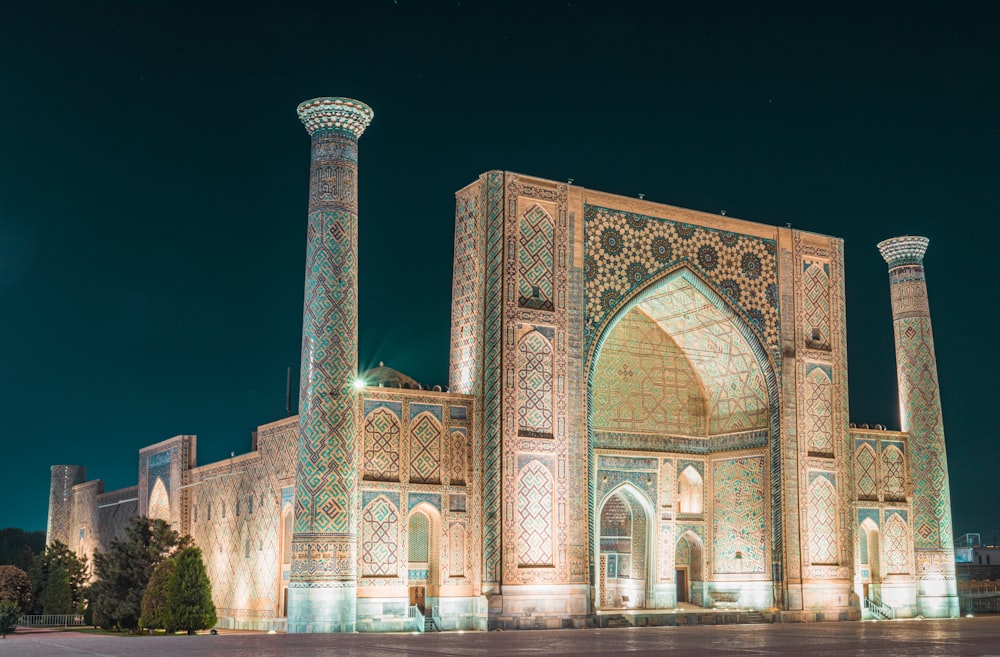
point(323, 586)
point(61, 483)
point(920, 416)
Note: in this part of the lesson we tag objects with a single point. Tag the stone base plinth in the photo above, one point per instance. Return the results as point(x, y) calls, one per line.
point(314, 609)
point(540, 607)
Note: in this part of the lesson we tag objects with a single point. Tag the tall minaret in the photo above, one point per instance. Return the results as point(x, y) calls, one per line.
point(920, 416)
point(323, 586)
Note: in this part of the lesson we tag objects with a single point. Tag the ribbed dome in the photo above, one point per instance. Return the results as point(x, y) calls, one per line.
point(389, 378)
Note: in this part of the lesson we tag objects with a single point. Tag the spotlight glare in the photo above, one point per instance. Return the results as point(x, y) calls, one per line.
point(359, 384)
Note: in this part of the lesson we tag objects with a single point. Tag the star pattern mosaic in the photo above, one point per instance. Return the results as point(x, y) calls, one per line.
point(625, 250)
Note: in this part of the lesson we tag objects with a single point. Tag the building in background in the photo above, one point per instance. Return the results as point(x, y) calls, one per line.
point(647, 409)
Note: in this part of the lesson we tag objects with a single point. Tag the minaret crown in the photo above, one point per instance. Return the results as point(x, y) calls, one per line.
point(905, 250)
point(328, 113)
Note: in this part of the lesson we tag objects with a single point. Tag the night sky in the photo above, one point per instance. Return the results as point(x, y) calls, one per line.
point(153, 190)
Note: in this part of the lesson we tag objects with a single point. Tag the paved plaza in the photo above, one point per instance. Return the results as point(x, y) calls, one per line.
point(976, 637)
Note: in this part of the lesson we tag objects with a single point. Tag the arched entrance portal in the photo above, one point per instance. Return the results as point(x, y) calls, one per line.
point(689, 563)
point(683, 409)
point(625, 548)
point(869, 549)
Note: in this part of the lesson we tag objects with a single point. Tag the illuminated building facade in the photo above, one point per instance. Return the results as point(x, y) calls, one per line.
point(647, 409)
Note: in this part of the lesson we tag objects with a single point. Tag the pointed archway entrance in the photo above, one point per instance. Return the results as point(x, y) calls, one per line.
point(684, 407)
point(625, 521)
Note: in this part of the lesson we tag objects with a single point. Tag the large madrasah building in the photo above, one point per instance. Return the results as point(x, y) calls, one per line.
point(647, 409)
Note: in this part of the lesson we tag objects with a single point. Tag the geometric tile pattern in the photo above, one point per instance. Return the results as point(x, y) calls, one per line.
point(418, 538)
point(492, 425)
point(247, 585)
point(864, 470)
point(644, 382)
point(534, 515)
point(625, 250)
point(822, 521)
point(379, 527)
point(459, 459)
point(894, 545)
point(676, 363)
point(325, 540)
point(738, 521)
point(919, 395)
point(456, 550)
point(637, 568)
point(425, 450)
point(536, 259)
point(467, 295)
point(819, 409)
point(720, 355)
point(382, 436)
point(893, 474)
point(534, 386)
point(816, 298)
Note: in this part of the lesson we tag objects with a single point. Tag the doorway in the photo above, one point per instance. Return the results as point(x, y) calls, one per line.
point(417, 594)
point(681, 576)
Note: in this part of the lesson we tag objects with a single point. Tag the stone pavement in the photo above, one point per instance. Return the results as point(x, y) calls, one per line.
point(975, 637)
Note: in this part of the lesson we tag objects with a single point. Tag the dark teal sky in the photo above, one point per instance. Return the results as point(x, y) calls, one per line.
point(153, 180)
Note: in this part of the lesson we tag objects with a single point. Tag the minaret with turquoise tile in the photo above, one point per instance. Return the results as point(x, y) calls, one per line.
point(920, 416)
point(323, 587)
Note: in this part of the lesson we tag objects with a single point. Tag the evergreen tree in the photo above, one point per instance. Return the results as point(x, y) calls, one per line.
point(123, 572)
point(10, 613)
point(154, 600)
point(14, 542)
point(57, 554)
point(15, 587)
point(189, 594)
point(57, 598)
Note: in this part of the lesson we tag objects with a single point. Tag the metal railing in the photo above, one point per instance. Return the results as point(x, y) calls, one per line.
point(51, 620)
point(879, 609)
point(417, 618)
point(436, 618)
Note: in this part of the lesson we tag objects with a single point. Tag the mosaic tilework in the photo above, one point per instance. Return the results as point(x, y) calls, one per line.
point(738, 521)
point(379, 536)
point(726, 364)
point(534, 386)
point(819, 408)
point(492, 424)
point(425, 422)
point(456, 551)
point(62, 480)
point(894, 545)
point(425, 450)
point(324, 541)
point(893, 467)
point(637, 568)
point(919, 395)
point(822, 519)
point(382, 433)
point(816, 295)
point(459, 460)
point(643, 382)
point(467, 292)
point(534, 515)
point(682, 553)
point(821, 418)
point(418, 538)
point(247, 585)
point(563, 451)
point(626, 250)
point(865, 473)
point(536, 260)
